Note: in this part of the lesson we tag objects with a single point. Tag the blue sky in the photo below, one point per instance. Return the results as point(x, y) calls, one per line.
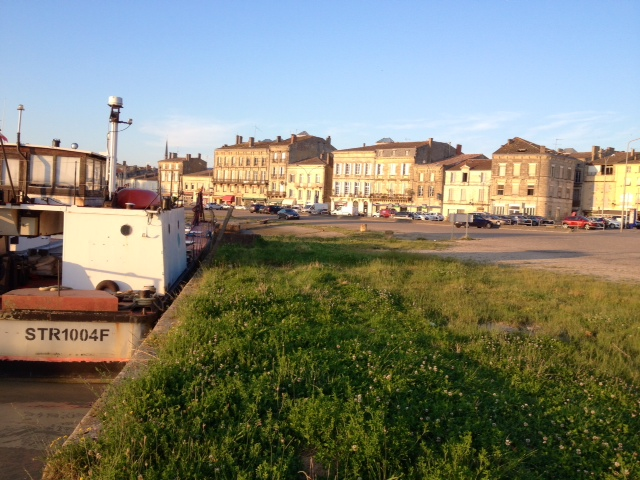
point(198, 73)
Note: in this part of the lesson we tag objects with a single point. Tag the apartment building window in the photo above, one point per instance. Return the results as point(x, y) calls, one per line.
point(308, 195)
point(255, 176)
point(553, 171)
point(248, 163)
point(317, 178)
point(516, 169)
point(432, 177)
point(502, 169)
point(605, 170)
point(347, 188)
point(559, 193)
point(532, 169)
point(530, 190)
point(465, 177)
point(568, 193)
point(281, 172)
point(358, 168)
point(463, 195)
point(529, 210)
point(452, 177)
point(498, 210)
point(481, 195)
point(292, 177)
point(405, 169)
point(233, 160)
point(262, 162)
point(379, 169)
point(356, 188)
point(578, 176)
point(336, 188)
point(299, 194)
point(308, 178)
point(431, 191)
point(275, 156)
point(420, 191)
point(451, 194)
point(263, 176)
point(500, 190)
point(284, 156)
point(347, 169)
point(515, 188)
point(561, 172)
point(290, 193)
point(247, 174)
point(367, 169)
point(255, 161)
point(392, 169)
point(421, 177)
point(337, 169)
point(367, 189)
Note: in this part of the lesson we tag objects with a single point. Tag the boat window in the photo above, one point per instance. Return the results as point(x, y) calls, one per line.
point(126, 230)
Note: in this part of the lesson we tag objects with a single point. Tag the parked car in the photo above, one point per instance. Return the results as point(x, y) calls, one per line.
point(608, 222)
point(506, 219)
point(387, 212)
point(404, 216)
point(581, 222)
point(344, 212)
point(479, 221)
point(288, 214)
point(214, 206)
point(436, 217)
point(256, 207)
point(271, 209)
point(322, 211)
point(494, 219)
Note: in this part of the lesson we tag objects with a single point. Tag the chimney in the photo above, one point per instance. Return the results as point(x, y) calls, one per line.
point(431, 142)
point(200, 156)
point(251, 141)
point(594, 153)
point(458, 149)
point(279, 139)
point(55, 142)
point(239, 139)
point(543, 149)
point(329, 139)
point(293, 138)
point(188, 157)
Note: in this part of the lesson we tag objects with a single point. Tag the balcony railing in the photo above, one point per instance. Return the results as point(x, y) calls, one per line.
point(390, 197)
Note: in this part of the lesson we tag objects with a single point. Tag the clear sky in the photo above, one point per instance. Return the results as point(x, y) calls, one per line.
point(565, 74)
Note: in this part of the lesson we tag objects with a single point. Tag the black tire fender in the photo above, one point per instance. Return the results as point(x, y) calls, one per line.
point(108, 285)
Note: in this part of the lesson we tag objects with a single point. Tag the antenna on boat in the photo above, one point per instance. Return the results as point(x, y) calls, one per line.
point(112, 147)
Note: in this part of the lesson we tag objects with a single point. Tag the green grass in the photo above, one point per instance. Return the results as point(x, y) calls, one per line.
point(377, 363)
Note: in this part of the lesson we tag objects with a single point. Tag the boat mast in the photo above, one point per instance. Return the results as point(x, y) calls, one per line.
point(112, 146)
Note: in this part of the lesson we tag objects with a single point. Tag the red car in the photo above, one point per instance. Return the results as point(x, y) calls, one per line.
point(388, 212)
point(581, 222)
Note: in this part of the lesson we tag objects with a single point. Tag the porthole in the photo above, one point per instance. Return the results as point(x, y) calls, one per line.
point(126, 230)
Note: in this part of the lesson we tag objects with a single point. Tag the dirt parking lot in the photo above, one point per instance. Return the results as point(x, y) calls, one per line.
point(611, 255)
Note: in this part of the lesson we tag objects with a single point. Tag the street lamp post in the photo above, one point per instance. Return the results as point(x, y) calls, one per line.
point(623, 220)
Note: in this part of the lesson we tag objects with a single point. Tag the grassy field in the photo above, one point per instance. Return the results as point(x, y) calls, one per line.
point(354, 358)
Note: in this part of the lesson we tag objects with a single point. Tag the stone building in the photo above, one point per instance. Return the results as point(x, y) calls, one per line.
point(467, 187)
point(192, 183)
point(603, 191)
point(172, 169)
point(309, 181)
point(430, 180)
point(530, 179)
point(256, 171)
point(369, 178)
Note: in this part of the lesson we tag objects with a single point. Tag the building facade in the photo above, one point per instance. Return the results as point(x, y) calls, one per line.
point(257, 171)
point(530, 179)
point(193, 183)
point(370, 178)
point(468, 185)
point(172, 169)
point(309, 181)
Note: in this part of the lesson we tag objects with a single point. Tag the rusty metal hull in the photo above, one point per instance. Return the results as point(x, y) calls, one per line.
point(36, 336)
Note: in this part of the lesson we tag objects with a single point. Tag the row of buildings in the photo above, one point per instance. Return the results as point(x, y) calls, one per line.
point(520, 178)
